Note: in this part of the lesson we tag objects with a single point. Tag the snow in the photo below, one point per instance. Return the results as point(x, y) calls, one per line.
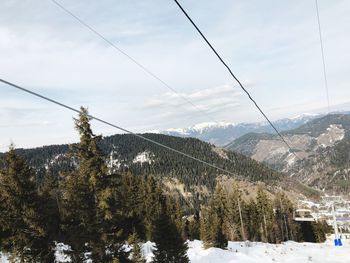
point(333, 134)
point(253, 252)
point(257, 252)
point(303, 116)
point(144, 157)
point(200, 127)
point(113, 162)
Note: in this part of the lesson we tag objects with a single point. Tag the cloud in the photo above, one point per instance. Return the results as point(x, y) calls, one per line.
point(201, 98)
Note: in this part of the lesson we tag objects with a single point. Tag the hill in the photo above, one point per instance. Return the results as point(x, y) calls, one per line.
point(322, 146)
point(189, 178)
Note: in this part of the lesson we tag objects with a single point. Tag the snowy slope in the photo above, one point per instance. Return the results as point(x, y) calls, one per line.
point(289, 252)
point(256, 252)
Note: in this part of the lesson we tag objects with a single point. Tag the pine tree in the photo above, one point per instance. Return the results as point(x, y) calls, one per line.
point(252, 219)
point(151, 205)
point(133, 198)
point(137, 255)
point(266, 215)
point(192, 227)
point(213, 220)
point(170, 247)
point(91, 200)
point(24, 233)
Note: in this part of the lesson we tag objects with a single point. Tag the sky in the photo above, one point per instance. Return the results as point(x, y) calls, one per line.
point(273, 47)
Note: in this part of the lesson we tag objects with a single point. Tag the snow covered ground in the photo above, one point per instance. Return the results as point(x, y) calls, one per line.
point(253, 252)
point(289, 252)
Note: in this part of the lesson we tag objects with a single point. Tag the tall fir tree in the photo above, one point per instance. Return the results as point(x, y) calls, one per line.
point(137, 254)
point(213, 220)
point(266, 216)
point(91, 201)
point(170, 247)
point(24, 232)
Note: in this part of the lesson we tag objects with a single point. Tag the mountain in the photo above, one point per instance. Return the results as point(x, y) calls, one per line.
point(223, 133)
point(189, 178)
point(322, 147)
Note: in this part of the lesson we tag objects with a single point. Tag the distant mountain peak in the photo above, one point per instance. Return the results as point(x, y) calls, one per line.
point(222, 133)
point(200, 127)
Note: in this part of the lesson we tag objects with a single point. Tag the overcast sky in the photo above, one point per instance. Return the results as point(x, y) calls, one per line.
point(272, 46)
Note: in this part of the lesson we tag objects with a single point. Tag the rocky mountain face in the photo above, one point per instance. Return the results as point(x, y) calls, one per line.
point(223, 133)
point(189, 178)
point(322, 148)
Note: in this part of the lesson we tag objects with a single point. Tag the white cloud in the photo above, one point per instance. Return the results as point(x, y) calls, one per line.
point(210, 100)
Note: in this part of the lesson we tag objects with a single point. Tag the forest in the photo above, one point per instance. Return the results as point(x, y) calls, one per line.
point(99, 212)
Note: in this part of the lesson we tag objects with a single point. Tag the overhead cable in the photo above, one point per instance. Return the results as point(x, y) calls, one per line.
point(236, 79)
point(114, 126)
point(322, 54)
point(141, 66)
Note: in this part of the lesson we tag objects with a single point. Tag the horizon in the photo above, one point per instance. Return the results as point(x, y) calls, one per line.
point(181, 129)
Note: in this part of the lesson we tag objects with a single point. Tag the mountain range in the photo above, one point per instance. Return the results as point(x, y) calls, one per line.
point(223, 133)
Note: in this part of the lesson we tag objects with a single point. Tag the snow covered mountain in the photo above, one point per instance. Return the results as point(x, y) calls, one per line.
point(222, 133)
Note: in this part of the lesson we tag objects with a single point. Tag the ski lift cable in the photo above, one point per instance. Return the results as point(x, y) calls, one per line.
point(141, 66)
point(236, 79)
point(114, 126)
point(322, 54)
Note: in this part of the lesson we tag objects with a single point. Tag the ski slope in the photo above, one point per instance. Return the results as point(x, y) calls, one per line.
point(257, 252)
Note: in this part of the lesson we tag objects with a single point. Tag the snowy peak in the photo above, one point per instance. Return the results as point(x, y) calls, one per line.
point(204, 126)
point(223, 133)
point(200, 128)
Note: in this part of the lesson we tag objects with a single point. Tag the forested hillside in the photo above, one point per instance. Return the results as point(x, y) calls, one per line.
point(127, 153)
point(322, 146)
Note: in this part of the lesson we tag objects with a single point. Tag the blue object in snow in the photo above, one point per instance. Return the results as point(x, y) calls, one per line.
point(337, 242)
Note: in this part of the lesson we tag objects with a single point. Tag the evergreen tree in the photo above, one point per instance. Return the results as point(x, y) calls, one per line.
point(213, 219)
point(170, 247)
point(133, 205)
point(91, 200)
point(24, 233)
point(137, 255)
point(192, 227)
point(252, 219)
point(151, 205)
point(266, 216)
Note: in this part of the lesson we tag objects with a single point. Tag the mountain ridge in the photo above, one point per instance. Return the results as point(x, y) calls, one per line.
point(322, 146)
point(223, 133)
point(127, 153)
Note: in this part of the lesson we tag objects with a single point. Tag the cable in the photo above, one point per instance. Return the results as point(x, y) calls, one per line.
point(114, 126)
point(322, 54)
point(114, 46)
point(236, 79)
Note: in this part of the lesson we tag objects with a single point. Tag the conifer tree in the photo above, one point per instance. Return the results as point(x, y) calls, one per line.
point(192, 227)
point(266, 215)
point(24, 234)
point(151, 205)
point(137, 255)
point(133, 198)
point(252, 219)
point(170, 247)
point(91, 200)
point(213, 219)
